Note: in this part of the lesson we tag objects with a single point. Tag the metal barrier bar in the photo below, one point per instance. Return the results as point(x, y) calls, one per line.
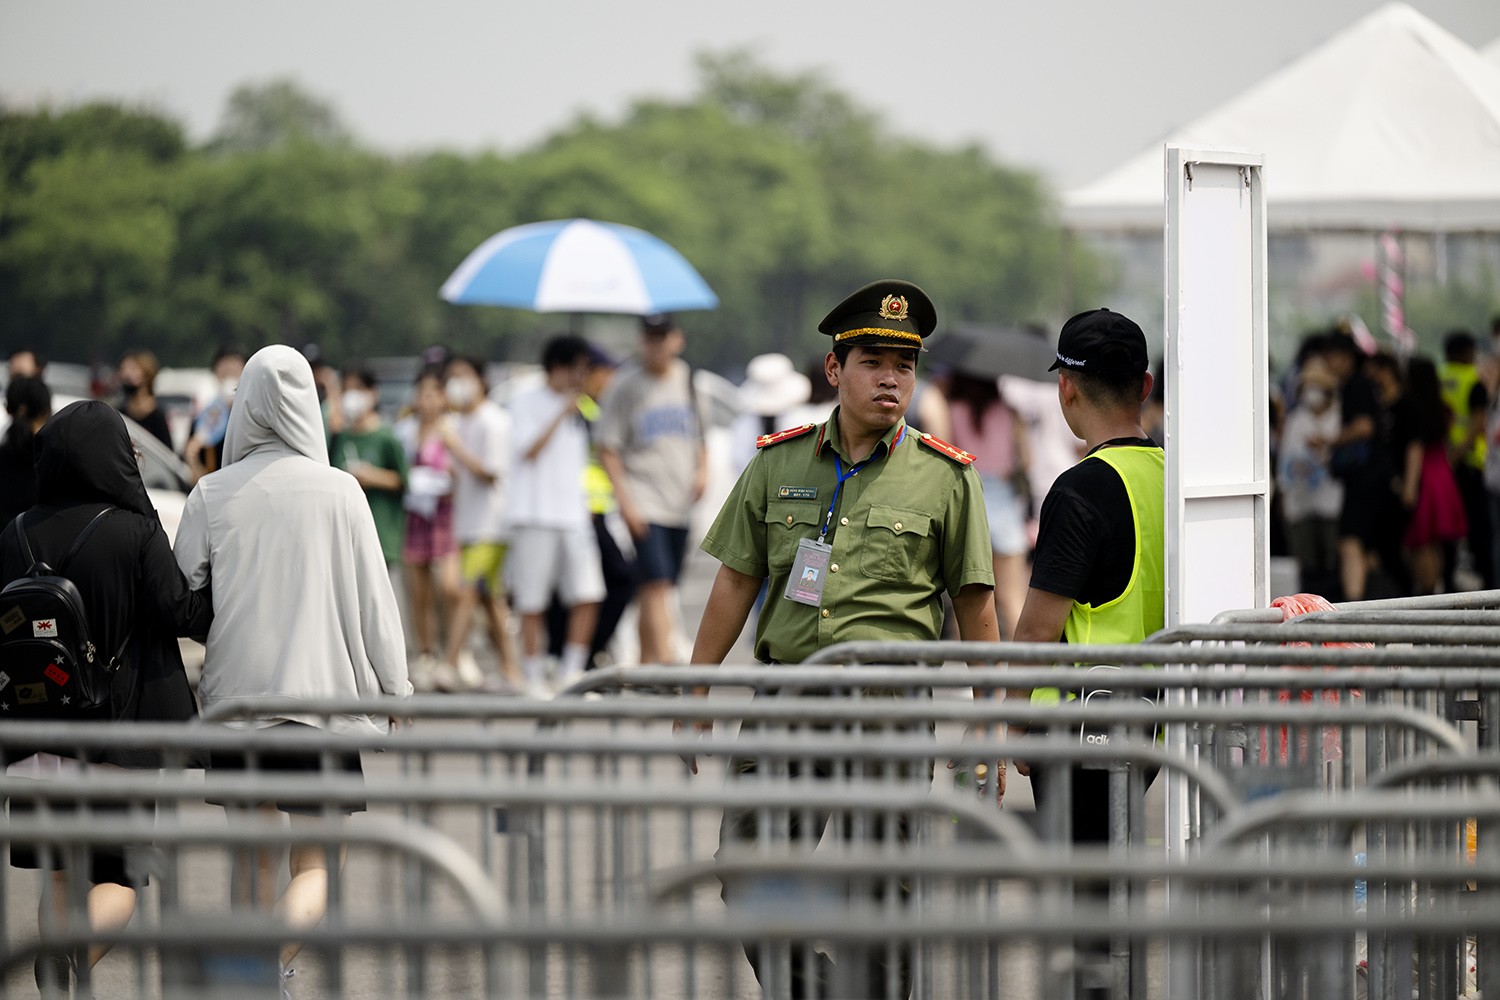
point(943, 651)
point(1318, 631)
point(672, 680)
point(432, 847)
point(1472, 599)
point(889, 711)
point(603, 756)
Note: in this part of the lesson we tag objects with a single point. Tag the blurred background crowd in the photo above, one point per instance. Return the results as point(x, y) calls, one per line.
point(1387, 471)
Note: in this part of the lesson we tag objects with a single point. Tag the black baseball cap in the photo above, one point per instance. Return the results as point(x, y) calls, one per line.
point(1103, 342)
point(658, 323)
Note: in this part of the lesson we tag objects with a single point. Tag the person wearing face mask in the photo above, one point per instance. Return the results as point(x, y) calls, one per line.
point(137, 377)
point(1311, 497)
point(368, 450)
point(478, 441)
point(204, 451)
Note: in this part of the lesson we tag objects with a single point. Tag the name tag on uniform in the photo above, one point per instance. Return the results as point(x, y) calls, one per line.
point(797, 493)
point(805, 584)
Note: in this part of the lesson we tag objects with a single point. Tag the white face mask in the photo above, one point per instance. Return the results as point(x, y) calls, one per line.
point(227, 387)
point(461, 391)
point(1315, 398)
point(356, 403)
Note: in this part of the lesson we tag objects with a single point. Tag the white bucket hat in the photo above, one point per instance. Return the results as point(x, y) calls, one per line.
point(772, 386)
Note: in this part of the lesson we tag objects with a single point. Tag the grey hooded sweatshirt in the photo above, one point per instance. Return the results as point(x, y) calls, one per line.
point(303, 606)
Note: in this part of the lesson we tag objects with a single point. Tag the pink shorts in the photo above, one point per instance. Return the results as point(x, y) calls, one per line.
point(429, 540)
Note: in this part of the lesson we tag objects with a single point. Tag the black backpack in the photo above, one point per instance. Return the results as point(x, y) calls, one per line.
point(49, 667)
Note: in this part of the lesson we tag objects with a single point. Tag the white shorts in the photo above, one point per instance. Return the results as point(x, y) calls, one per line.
point(542, 560)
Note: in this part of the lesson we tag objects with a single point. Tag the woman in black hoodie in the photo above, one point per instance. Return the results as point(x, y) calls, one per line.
point(133, 593)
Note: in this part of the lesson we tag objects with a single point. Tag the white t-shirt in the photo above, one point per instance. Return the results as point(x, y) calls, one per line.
point(479, 508)
point(546, 492)
point(1308, 489)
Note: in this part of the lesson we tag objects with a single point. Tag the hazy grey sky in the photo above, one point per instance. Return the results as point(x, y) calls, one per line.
point(1068, 86)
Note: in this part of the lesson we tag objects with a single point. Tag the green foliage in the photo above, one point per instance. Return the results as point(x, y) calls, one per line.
point(91, 244)
point(276, 115)
point(780, 189)
point(28, 136)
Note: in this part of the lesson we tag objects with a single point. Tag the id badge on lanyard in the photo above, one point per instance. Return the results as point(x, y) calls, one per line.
point(805, 583)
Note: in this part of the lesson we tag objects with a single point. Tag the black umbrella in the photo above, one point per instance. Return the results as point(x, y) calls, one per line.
point(992, 351)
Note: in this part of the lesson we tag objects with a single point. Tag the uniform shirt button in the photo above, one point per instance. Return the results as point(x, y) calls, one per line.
point(789, 519)
point(898, 525)
point(825, 612)
point(834, 568)
point(843, 520)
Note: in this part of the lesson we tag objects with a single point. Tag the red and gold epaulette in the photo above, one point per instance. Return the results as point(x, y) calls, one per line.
point(944, 448)
point(766, 440)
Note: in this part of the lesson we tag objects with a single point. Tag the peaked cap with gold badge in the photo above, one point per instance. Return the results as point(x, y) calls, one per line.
point(887, 313)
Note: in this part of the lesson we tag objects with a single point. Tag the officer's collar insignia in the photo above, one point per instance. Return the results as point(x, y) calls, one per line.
point(893, 307)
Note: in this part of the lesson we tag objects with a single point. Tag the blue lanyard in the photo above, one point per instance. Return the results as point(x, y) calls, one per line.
point(838, 467)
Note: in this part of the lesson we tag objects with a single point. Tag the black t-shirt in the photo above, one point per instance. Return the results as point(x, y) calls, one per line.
point(156, 423)
point(1397, 429)
point(1085, 547)
point(1357, 399)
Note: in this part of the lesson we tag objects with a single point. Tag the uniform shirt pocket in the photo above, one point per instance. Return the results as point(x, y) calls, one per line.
point(787, 523)
point(895, 545)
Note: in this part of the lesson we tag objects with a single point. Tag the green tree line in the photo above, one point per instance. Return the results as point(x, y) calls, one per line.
point(116, 232)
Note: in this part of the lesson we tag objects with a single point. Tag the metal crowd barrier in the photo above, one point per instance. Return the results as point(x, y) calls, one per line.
point(990, 896)
point(601, 848)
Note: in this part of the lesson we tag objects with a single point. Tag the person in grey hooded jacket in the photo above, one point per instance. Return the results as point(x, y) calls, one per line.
point(303, 606)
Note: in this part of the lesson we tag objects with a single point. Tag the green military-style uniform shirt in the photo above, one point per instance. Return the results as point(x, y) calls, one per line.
point(908, 526)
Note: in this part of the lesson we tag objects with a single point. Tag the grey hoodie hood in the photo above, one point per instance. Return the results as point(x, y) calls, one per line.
point(276, 408)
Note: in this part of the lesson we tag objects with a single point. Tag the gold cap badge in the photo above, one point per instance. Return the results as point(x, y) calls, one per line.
point(893, 307)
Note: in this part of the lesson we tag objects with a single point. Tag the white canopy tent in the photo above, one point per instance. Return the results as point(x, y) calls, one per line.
point(1392, 124)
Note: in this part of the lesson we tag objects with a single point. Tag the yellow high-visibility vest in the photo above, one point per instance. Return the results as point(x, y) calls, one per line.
point(1140, 609)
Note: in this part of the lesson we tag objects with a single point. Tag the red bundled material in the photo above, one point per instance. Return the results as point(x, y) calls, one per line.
point(1292, 607)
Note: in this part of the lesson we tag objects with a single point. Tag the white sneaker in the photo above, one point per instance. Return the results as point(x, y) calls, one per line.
point(424, 672)
point(496, 684)
point(445, 677)
point(538, 688)
point(470, 677)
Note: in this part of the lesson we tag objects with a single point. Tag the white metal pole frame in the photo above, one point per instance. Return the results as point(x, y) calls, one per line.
point(1217, 424)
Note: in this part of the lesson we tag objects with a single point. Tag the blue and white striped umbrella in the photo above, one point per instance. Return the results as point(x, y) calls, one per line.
point(579, 266)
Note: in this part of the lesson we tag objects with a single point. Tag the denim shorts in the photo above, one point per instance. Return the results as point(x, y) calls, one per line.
point(659, 556)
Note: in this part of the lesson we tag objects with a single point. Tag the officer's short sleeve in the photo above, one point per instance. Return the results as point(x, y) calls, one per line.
point(737, 538)
point(966, 537)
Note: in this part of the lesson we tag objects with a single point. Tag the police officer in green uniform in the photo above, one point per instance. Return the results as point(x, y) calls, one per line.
point(860, 525)
point(878, 520)
point(1099, 573)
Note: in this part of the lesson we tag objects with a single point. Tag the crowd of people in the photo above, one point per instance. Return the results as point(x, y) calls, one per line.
point(1388, 468)
point(564, 505)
